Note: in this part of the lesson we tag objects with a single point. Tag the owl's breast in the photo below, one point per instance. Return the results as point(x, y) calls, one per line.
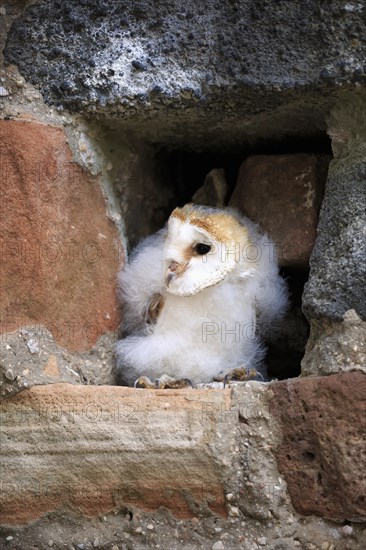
point(224, 305)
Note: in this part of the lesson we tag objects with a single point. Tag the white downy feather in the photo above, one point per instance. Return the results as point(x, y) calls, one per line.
point(213, 314)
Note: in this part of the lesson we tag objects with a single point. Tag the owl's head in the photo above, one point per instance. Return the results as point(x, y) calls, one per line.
point(203, 245)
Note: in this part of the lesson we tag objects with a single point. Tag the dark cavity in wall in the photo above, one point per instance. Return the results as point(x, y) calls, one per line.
point(164, 178)
point(187, 169)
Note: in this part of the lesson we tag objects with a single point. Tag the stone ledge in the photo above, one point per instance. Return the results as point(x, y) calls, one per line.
point(93, 450)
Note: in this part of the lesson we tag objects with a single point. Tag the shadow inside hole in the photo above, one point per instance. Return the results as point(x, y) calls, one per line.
point(284, 356)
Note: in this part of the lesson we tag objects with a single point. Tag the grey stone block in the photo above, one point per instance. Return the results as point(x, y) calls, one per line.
point(213, 74)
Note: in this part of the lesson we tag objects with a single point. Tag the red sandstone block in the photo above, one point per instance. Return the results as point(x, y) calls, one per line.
point(59, 258)
point(283, 193)
point(322, 452)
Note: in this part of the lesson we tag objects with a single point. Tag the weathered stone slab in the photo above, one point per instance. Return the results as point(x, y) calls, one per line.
point(217, 74)
point(337, 281)
point(283, 193)
point(322, 454)
point(335, 346)
point(96, 449)
point(60, 251)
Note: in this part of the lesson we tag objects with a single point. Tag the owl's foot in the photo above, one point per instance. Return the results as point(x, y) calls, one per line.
point(240, 374)
point(144, 382)
point(163, 383)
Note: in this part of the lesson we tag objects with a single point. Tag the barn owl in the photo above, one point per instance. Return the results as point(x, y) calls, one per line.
point(197, 299)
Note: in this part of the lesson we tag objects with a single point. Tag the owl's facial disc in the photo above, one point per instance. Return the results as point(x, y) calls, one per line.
point(194, 259)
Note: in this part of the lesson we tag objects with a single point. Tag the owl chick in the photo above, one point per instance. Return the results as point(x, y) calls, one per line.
point(197, 298)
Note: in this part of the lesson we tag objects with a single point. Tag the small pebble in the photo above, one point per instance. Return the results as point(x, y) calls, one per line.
point(9, 537)
point(138, 65)
point(218, 529)
point(150, 526)
point(229, 496)
point(193, 520)
point(3, 91)
point(50, 543)
point(325, 546)
point(347, 530)
point(115, 547)
point(9, 375)
point(262, 541)
point(138, 530)
point(234, 511)
point(32, 345)
point(2, 11)
point(96, 543)
point(218, 546)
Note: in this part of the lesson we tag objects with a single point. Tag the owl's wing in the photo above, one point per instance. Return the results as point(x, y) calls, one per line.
point(141, 281)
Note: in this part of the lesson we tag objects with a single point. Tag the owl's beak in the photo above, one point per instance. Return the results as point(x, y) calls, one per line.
point(173, 269)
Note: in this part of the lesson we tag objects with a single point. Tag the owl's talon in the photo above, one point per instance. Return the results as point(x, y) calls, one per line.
point(144, 382)
point(240, 374)
point(167, 382)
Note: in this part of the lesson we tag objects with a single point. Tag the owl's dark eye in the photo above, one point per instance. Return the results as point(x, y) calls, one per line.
point(202, 249)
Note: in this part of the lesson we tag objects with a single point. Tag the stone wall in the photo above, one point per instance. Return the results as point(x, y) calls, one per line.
point(99, 104)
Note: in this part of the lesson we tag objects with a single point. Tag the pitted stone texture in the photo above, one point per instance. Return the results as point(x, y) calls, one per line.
point(337, 281)
point(101, 449)
point(335, 346)
point(283, 193)
point(61, 253)
point(218, 73)
point(261, 491)
point(323, 450)
point(50, 363)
